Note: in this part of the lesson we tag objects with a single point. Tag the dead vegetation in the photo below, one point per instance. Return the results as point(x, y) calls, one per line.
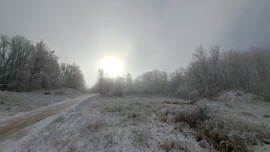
point(140, 136)
point(197, 115)
point(266, 116)
point(92, 128)
point(157, 124)
point(59, 119)
point(71, 148)
point(134, 113)
point(223, 135)
point(180, 102)
point(173, 145)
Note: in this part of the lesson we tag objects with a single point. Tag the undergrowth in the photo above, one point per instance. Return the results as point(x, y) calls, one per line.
point(223, 135)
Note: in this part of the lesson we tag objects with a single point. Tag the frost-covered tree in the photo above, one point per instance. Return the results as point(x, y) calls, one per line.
point(25, 66)
point(210, 72)
point(71, 76)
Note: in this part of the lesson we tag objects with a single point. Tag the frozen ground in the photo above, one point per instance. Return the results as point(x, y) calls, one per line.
point(12, 103)
point(136, 123)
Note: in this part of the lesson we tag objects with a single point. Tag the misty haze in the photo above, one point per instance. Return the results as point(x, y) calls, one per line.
point(134, 75)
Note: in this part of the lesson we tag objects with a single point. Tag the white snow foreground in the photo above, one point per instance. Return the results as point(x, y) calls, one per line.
point(135, 123)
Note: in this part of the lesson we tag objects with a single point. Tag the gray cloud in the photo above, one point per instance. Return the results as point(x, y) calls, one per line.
point(146, 34)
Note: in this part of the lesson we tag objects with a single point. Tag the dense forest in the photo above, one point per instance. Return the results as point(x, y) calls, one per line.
point(210, 72)
point(26, 66)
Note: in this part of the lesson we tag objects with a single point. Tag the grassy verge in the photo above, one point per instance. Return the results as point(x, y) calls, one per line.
point(216, 133)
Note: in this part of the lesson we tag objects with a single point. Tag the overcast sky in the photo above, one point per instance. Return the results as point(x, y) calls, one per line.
point(145, 34)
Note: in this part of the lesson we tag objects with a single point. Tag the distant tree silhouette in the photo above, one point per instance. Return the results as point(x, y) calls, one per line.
point(209, 73)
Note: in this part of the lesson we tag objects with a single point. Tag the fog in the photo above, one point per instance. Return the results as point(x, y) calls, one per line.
point(146, 35)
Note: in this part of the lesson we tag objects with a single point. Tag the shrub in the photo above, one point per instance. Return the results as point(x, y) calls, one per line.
point(222, 134)
point(197, 116)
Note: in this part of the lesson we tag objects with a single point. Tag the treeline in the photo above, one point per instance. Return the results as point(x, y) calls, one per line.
point(27, 66)
point(210, 72)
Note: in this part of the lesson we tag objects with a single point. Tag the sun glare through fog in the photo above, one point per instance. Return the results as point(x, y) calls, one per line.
point(113, 66)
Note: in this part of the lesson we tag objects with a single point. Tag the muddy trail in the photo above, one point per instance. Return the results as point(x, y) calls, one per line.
point(10, 126)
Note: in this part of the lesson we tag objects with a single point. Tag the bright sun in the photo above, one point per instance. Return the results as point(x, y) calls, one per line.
point(112, 66)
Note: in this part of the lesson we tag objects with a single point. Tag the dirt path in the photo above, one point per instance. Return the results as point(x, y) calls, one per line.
point(16, 123)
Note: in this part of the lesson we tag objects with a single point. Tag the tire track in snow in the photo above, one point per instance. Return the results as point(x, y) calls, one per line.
point(16, 123)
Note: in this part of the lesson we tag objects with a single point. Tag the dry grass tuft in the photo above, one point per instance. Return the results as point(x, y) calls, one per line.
point(221, 141)
point(59, 119)
point(266, 116)
point(212, 131)
point(114, 108)
point(223, 135)
point(170, 146)
point(198, 115)
point(180, 102)
point(175, 102)
point(134, 113)
point(232, 135)
point(141, 137)
point(94, 127)
point(72, 148)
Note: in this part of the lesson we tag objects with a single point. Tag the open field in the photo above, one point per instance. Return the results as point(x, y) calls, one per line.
point(135, 76)
point(233, 121)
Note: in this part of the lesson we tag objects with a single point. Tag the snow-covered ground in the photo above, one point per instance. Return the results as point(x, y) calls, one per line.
point(138, 123)
point(12, 103)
